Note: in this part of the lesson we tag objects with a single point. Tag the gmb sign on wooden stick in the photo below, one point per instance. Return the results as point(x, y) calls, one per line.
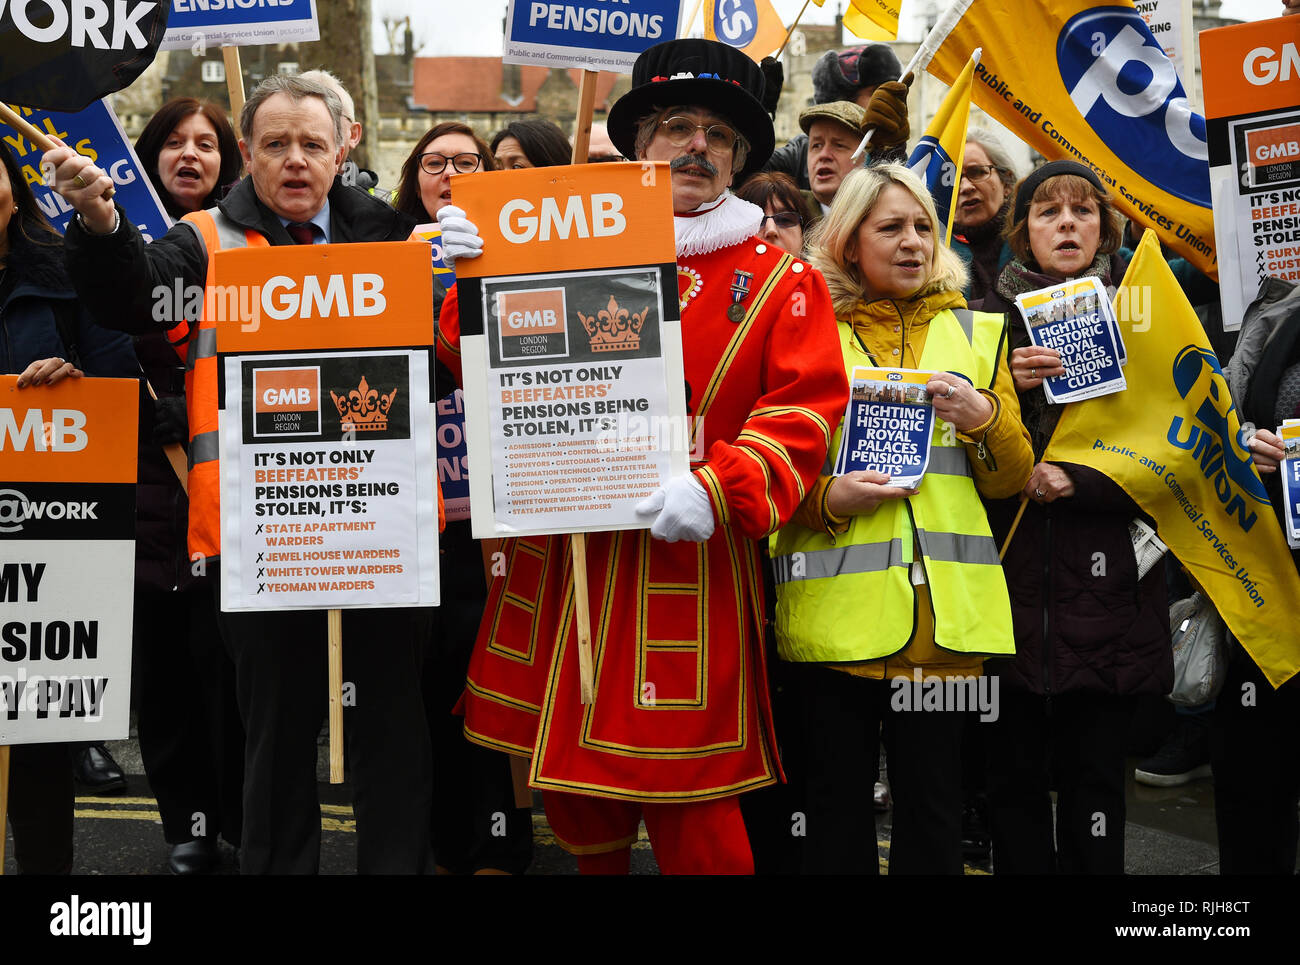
point(571, 340)
point(67, 559)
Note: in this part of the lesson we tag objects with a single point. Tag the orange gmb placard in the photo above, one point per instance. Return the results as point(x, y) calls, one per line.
point(322, 297)
point(568, 218)
point(80, 430)
point(1251, 67)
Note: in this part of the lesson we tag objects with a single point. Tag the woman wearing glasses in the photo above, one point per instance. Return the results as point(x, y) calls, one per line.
point(471, 785)
point(987, 176)
point(449, 148)
point(784, 215)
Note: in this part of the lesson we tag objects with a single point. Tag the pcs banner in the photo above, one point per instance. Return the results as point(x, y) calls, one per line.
point(67, 559)
point(590, 34)
point(198, 24)
point(1085, 83)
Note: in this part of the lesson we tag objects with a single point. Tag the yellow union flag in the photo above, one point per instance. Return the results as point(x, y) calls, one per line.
point(1173, 442)
point(1090, 83)
point(872, 19)
point(751, 26)
point(937, 157)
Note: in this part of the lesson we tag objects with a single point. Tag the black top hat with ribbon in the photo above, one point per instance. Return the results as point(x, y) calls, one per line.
point(697, 73)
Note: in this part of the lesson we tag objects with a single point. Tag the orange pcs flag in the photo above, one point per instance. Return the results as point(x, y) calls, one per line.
point(751, 26)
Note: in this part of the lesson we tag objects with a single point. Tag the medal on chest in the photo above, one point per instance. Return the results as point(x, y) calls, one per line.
point(740, 282)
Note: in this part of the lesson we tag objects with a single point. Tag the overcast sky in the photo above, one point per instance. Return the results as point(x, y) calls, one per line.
point(473, 27)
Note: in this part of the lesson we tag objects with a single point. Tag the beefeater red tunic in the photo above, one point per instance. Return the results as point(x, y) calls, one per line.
point(682, 710)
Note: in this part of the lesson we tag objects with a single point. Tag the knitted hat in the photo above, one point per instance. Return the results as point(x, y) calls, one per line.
point(838, 76)
point(1025, 190)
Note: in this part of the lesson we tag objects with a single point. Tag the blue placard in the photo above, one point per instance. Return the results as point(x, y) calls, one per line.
point(591, 34)
point(1076, 319)
point(888, 425)
point(1290, 434)
point(96, 133)
point(453, 460)
point(214, 23)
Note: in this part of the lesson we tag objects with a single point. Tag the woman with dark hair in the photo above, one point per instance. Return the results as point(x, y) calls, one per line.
point(448, 148)
point(784, 211)
point(1091, 636)
point(190, 152)
point(476, 827)
point(45, 337)
point(191, 737)
point(532, 143)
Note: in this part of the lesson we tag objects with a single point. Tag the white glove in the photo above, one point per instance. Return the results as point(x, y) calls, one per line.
point(683, 508)
point(460, 238)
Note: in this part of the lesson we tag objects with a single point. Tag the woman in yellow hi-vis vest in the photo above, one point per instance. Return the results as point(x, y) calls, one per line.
point(888, 598)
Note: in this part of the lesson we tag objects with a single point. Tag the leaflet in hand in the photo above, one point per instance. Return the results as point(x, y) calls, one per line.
point(887, 425)
point(1290, 468)
point(1077, 320)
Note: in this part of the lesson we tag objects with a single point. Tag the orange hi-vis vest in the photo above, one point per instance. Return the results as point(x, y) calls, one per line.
point(217, 232)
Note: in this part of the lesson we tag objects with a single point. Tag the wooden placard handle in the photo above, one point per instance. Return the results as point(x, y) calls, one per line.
point(4, 801)
point(234, 84)
point(336, 695)
point(175, 454)
point(582, 124)
point(582, 613)
point(1015, 523)
point(33, 134)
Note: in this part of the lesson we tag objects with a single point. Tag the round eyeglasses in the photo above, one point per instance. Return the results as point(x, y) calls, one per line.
point(976, 173)
point(679, 130)
point(435, 163)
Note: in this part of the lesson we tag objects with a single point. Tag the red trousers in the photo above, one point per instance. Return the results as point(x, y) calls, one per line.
point(688, 838)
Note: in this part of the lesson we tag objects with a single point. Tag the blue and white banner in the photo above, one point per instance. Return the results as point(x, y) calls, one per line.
point(96, 133)
point(199, 24)
point(888, 425)
point(590, 34)
point(1077, 320)
point(453, 458)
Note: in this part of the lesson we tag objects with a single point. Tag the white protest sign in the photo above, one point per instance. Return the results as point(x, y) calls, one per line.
point(1252, 121)
point(591, 34)
point(67, 559)
point(571, 344)
point(239, 23)
point(328, 494)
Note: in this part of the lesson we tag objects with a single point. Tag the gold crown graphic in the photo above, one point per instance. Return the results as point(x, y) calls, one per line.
point(363, 409)
point(614, 329)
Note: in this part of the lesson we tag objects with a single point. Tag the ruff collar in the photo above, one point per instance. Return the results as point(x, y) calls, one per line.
point(716, 224)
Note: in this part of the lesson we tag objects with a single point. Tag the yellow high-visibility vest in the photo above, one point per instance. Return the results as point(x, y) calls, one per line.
point(851, 598)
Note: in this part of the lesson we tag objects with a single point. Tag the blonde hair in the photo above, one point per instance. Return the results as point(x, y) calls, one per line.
point(836, 234)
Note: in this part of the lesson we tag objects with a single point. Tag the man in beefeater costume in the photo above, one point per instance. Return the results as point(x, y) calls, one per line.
point(681, 724)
